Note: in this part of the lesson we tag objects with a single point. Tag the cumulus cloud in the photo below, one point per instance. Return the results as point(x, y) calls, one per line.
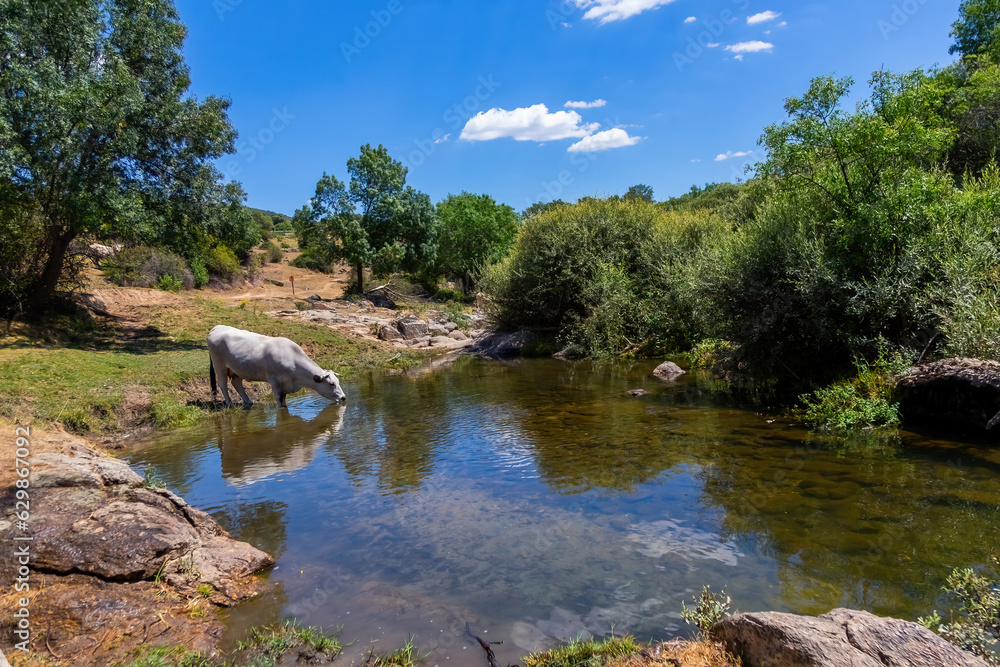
point(762, 17)
point(533, 123)
point(585, 105)
point(607, 11)
point(602, 141)
point(750, 47)
point(730, 154)
point(690, 19)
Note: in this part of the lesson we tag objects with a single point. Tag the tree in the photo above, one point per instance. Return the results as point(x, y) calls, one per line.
point(376, 221)
point(541, 207)
point(98, 135)
point(474, 230)
point(640, 192)
point(977, 29)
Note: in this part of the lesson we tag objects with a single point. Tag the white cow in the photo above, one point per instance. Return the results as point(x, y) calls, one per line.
point(243, 355)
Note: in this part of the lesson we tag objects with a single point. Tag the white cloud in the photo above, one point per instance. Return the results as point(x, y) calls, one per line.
point(696, 160)
point(783, 24)
point(712, 45)
point(602, 141)
point(585, 105)
point(763, 17)
point(739, 57)
point(616, 10)
point(533, 123)
point(442, 139)
point(730, 154)
point(690, 19)
point(750, 47)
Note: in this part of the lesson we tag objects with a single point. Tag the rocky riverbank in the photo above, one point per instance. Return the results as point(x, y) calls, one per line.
point(116, 562)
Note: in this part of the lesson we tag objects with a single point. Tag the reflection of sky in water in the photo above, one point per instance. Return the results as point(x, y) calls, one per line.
point(540, 503)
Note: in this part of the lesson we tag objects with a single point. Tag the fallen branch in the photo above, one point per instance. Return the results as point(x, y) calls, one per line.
point(490, 656)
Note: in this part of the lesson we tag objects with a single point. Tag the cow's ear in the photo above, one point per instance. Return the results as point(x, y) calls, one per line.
point(317, 378)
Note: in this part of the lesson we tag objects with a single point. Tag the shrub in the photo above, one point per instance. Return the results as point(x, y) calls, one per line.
point(272, 252)
point(977, 627)
point(143, 266)
point(708, 610)
point(610, 275)
point(170, 284)
point(199, 272)
point(222, 262)
point(861, 402)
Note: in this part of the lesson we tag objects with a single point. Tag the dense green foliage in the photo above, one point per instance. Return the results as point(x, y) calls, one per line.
point(376, 221)
point(610, 274)
point(101, 140)
point(473, 231)
point(977, 29)
point(864, 233)
point(975, 626)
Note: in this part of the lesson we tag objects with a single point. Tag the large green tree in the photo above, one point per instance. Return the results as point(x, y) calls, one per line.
point(97, 134)
point(375, 221)
point(474, 231)
point(977, 30)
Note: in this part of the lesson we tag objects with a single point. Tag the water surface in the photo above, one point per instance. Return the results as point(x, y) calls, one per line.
point(540, 502)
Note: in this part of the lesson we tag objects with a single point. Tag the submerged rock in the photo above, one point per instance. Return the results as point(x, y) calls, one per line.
point(960, 393)
point(840, 638)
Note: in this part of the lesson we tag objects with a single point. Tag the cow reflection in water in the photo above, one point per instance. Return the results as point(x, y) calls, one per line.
point(253, 450)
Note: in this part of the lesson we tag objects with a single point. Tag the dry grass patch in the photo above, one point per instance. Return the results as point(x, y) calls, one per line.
point(680, 653)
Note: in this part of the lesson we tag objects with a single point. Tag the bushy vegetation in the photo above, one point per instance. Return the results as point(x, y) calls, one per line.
point(143, 266)
point(222, 261)
point(975, 625)
point(594, 653)
point(272, 252)
point(611, 275)
point(862, 233)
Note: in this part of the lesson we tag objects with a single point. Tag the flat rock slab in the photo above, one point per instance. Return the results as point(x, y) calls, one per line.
point(840, 638)
point(93, 515)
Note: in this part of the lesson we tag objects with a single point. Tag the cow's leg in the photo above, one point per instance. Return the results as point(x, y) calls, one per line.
point(238, 383)
point(279, 393)
point(222, 376)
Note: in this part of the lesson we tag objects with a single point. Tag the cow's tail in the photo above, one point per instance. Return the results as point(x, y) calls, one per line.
point(211, 376)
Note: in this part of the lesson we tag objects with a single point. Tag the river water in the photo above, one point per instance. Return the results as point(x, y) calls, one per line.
point(540, 502)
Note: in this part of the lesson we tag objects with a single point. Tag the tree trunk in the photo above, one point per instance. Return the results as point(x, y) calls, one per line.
point(361, 278)
point(51, 274)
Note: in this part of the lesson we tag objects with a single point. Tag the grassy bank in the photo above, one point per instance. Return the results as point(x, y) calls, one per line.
point(108, 375)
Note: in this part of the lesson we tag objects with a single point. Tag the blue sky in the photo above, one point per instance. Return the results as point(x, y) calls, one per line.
point(473, 95)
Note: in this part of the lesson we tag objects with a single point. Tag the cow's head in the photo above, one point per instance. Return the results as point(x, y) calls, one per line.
point(328, 386)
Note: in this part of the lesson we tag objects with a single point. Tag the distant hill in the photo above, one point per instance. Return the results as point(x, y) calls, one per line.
point(281, 217)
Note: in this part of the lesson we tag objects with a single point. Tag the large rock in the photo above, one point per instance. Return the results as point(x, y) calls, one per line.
point(503, 345)
point(841, 638)
point(668, 370)
point(412, 327)
point(96, 517)
point(959, 393)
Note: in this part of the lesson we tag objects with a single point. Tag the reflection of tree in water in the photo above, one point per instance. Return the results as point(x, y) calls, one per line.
point(260, 523)
point(858, 528)
point(396, 431)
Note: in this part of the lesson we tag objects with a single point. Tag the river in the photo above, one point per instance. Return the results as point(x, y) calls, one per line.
point(540, 502)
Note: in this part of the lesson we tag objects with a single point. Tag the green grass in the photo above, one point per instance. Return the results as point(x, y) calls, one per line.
point(91, 381)
point(276, 640)
point(168, 656)
point(405, 656)
point(585, 653)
